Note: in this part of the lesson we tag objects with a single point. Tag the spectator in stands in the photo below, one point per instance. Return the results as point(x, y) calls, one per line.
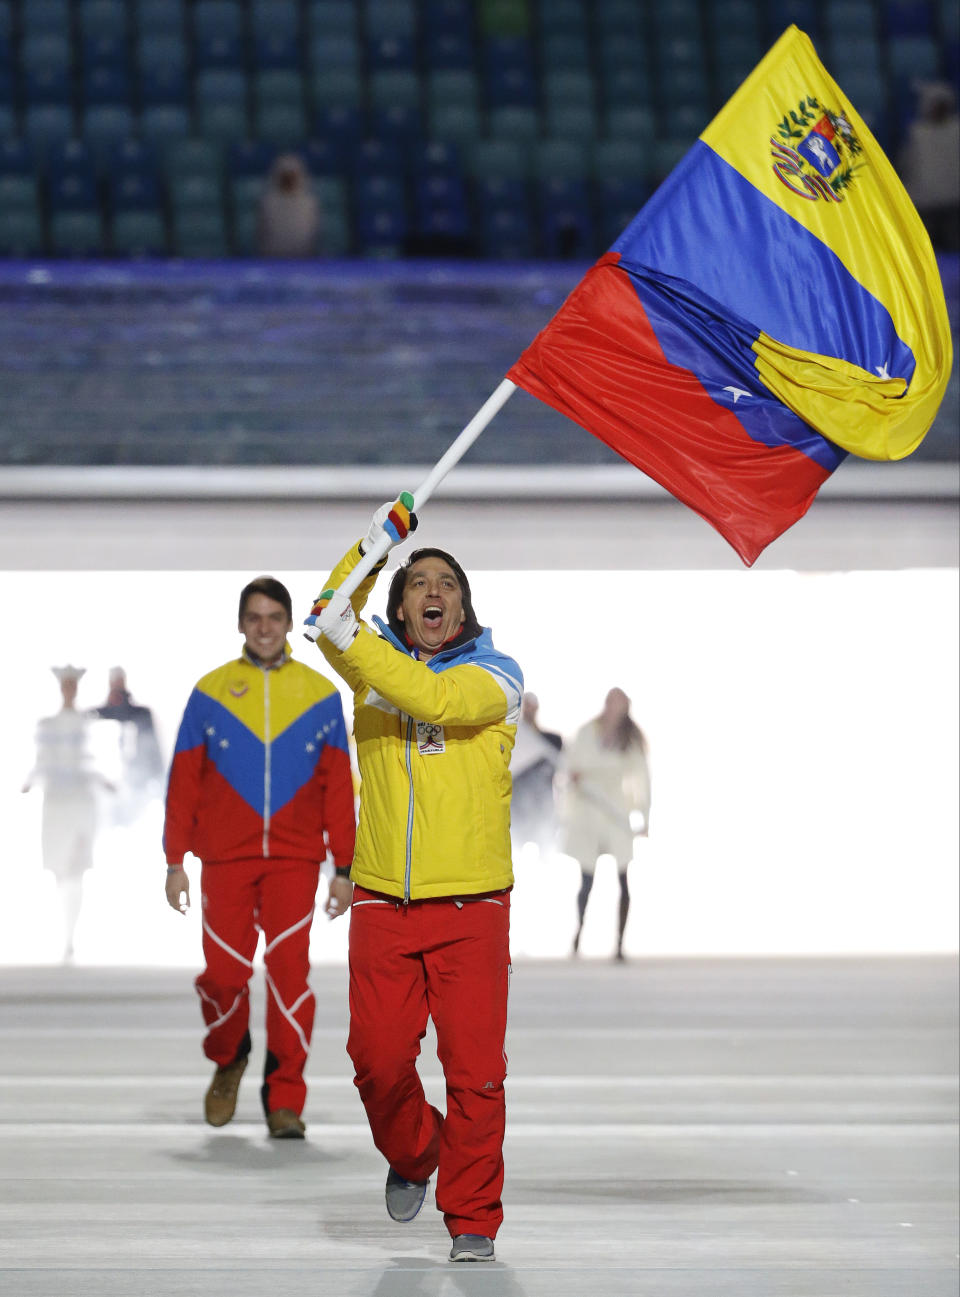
point(930, 164)
point(607, 800)
point(288, 220)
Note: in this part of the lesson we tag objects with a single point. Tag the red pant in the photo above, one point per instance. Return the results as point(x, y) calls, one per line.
point(242, 898)
point(450, 961)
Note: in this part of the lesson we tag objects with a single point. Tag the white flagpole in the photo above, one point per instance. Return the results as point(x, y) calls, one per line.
point(491, 406)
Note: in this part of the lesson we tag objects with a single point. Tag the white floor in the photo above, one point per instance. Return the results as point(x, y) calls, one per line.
point(777, 1128)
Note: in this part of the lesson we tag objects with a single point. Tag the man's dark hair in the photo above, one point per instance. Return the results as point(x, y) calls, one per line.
point(471, 627)
point(269, 586)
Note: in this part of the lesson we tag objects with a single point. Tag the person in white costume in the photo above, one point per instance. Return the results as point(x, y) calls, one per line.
point(607, 800)
point(533, 763)
point(64, 768)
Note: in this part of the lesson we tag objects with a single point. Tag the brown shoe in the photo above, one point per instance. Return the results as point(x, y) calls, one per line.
point(220, 1102)
point(285, 1124)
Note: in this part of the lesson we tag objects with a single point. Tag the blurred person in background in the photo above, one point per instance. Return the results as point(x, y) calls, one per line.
point(929, 164)
point(260, 790)
point(607, 800)
point(65, 769)
point(435, 714)
point(533, 764)
point(141, 764)
point(288, 218)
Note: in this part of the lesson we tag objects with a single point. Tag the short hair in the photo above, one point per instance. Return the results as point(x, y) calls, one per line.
point(471, 627)
point(272, 588)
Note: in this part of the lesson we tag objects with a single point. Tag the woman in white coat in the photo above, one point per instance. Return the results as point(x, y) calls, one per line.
point(607, 800)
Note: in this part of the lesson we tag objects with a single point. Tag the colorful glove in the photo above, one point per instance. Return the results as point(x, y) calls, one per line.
point(332, 615)
point(395, 521)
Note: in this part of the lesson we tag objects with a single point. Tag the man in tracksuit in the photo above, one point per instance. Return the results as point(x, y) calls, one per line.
point(435, 713)
point(260, 789)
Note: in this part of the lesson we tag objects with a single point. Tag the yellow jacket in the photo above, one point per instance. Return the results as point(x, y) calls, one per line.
point(433, 746)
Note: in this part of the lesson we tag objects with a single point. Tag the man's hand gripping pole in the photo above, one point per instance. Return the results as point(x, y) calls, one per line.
point(398, 518)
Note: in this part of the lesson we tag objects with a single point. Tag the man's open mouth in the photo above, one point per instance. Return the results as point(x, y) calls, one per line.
point(433, 614)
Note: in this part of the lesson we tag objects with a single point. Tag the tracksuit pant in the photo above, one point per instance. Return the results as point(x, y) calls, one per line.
point(241, 899)
point(449, 960)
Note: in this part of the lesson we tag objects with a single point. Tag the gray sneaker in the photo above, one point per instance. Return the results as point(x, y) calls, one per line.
point(404, 1197)
point(472, 1247)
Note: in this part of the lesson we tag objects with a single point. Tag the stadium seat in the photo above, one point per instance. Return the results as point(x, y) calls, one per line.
point(397, 122)
point(44, 16)
point(159, 17)
point(623, 18)
point(576, 121)
point(220, 86)
point(386, 52)
point(567, 86)
point(334, 51)
point(277, 50)
point(284, 125)
point(105, 126)
point(568, 17)
point(217, 18)
point(503, 17)
point(505, 158)
point(21, 232)
point(200, 233)
point(514, 122)
point(104, 83)
point(562, 157)
point(448, 50)
point(325, 157)
point(619, 200)
point(46, 50)
point(102, 18)
point(222, 122)
point(457, 123)
point(76, 233)
point(163, 122)
point(249, 158)
point(805, 14)
point(18, 192)
point(336, 86)
point(218, 51)
point(560, 52)
point(506, 233)
point(386, 88)
point(132, 189)
point(47, 84)
point(448, 16)
point(390, 18)
point(163, 84)
point(275, 16)
point(627, 87)
point(138, 234)
point(850, 18)
point(106, 48)
point(46, 123)
point(18, 157)
point(330, 17)
point(913, 59)
point(452, 86)
point(193, 156)
point(339, 124)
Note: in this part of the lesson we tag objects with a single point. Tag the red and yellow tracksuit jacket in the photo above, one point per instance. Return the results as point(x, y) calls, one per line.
point(433, 746)
point(261, 767)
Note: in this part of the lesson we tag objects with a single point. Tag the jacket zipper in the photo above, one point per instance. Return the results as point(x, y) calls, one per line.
point(409, 842)
point(266, 763)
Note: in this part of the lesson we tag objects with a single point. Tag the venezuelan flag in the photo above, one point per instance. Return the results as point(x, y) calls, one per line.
point(775, 305)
